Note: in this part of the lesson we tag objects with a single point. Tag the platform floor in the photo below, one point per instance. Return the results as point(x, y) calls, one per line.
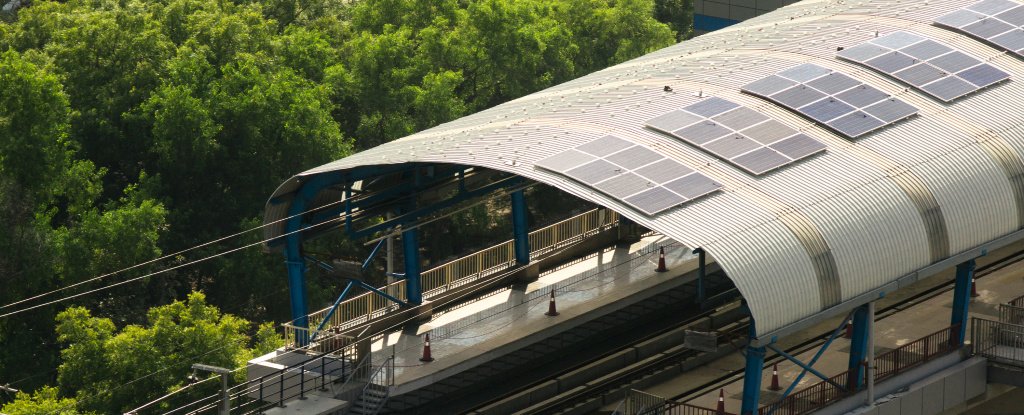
point(506, 321)
point(908, 325)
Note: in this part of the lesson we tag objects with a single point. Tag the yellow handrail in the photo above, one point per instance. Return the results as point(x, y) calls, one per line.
point(364, 307)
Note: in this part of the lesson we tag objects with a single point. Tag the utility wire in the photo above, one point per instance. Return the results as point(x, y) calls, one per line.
point(109, 274)
point(204, 259)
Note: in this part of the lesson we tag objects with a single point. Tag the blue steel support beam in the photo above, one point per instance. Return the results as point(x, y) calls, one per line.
point(520, 229)
point(702, 272)
point(293, 249)
point(821, 351)
point(961, 301)
point(752, 373)
point(858, 348)
point(804, 366)
point(331, 311)
point(752, 380)
point(411, 246)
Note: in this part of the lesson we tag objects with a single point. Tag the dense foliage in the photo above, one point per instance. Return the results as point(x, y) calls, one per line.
point(130, 129)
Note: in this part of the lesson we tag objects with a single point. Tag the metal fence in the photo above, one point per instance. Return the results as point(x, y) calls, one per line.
point(929, 347)
point(642, 403)
point(998, 341)
point(678, 408)
point(1009, 313)
point(368, 306)
point(887, 365)
point(1017, 302)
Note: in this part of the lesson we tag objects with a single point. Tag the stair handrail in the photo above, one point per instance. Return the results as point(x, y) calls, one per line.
point(354, 377)
point(388, 363)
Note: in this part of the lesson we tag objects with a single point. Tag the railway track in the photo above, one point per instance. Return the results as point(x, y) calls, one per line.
point(617, 381)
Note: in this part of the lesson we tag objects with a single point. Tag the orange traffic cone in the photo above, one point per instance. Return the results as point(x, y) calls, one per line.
point(974, 288)
point(721, 402)
point(661, 261)
point(551, 305)
point(775, 378)
point(426, 350)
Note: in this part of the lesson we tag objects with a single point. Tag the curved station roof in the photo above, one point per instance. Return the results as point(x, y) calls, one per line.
point(822, 153)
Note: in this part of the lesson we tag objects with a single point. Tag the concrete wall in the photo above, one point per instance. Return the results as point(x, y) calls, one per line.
point(942, 392)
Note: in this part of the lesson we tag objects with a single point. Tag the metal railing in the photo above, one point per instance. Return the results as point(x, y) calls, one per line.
point(275, 389)
point(679, 408)
point(642, 403)
point(998, 341)
point(368, 306)
point(887, 365)
point(1017, 302)
point(1009, 313)
point(323, 341)
point(907, 356)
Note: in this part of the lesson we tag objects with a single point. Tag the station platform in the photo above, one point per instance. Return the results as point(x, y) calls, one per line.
point(891, 331)
point(508, 320)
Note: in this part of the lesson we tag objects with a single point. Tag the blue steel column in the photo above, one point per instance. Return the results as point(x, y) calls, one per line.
point(752, 375)
point(293, 250)
point(858, 348)
point(961, 300)
point(411, 245)
point(520, 228)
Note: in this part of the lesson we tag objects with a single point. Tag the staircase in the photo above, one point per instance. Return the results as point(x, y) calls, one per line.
point(371, 400)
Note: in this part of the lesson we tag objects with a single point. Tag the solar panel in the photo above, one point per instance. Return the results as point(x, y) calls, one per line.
point(673, 121)
point(1012, 40)
point(836, 99)
point(891, 110)
point(624, 185)
point(804, 73)
point(739, 130)
point(594, 172)
point(761, 160)
point(920, 62)
point(565, 160)
point(855, 124)
point(655, 200)
point(999, 22)
point(862, 52)
point(663, 171)
point(634, 157)
point(711, 107)
point(983, 75)
point(798, 96)
point(827, 109)
point(798, 146)
point(740, 118)
point(950, 88)
point(693, 186)
point(1014, 16)
point(703, 132)
point(632, 173)
point(605, 145)
point(769, 85)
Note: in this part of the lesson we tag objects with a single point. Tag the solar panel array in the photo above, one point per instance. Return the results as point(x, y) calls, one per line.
point(840, 102)
point(999, 22)
point(930, 66)
point(631, 173)
point(737, 134)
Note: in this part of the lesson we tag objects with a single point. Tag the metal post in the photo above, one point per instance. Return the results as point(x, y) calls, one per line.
point(961, 301)
point(752, 374)
point(262, 378)
point(390, 257)
point(701, 274)
point(225, 399)
point(752, 380)
point(280, 392)
point(871, 353)
point(323, 383)
point(520, 229)
point(411, 245)
point(858, 348)
point(302, 381)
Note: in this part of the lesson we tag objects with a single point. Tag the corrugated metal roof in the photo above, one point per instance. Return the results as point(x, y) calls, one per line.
point(807, 236)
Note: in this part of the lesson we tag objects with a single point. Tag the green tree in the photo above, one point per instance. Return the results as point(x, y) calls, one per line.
point(44, 401)
point(112, 371)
